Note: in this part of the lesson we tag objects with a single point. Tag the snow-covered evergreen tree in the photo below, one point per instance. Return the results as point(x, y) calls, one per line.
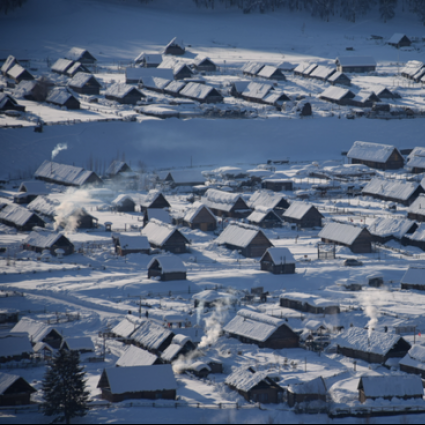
point(64, 388)
point(7, 6)
point(387, 9)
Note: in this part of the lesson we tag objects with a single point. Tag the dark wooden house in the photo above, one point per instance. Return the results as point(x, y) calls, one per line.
point(385, 229)
point(262, 330)
point(356, 64)
point(76, 68)
point(307, 392)
point(252, 68)
point(132, 245)
point(148, 60)
point(204, 64)
point(61, 66)
point(165, 237)
point(117, 168)
point(303, 215)
point(167, 268)
point(373, 387)
point(416, 211)
point(35, 90)
point(19, 218)
point(180, 346)
point(15, 348)
point(79, 218)
point(278, 185)
point(337, 95)
point(41, 241)
point(264, 200)
point(271, 73)
point(15, 391)
point(38, 332)
point(124, 94)
point(182, 71)
point(82, 345)
point(377, 156)
point(309, 304)
point(18, 74)
point(8, 103)
point(134, 356)
point(250, 241)
point(200, 217)
point(371, 346)
point(256, 387)
point(85, 84)
point(63, 98)
point(414, 362)
point(278, 261)
point(201, 93)
point(399, 40)
point(224, 204)
point(175, 47)
point(77, 54)
point(266, 218)
point(153, 200)
point(357, 239)
point(339, 78)
point(124, 203)
point(416, 161)
point(137, 383)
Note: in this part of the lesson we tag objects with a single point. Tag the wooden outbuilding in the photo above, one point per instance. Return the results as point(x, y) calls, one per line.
point(138, 383)
point(148, 60)
point(377, 156)
point(181, 71)
point(61, 66)
point(162, 215)
point(267, 200)
point(29, 191)
point(364, 99)
point(307, 303)
point(153, 200)
point(252, 68)
point(307, 392)
point(322, 73)
point(80, 344)
point(371, 346)
point(18, 74)
point(256, 387)
point(124, 94)
point(19, 218)
point(305, 69)
point(76, 68)
point(41, 241)
point(414, 70)
point(414, 279)
point(339, 78)
point(356, 64)
point(385, 229)
point(35, 90)
point(417, 210)
point(78, 218)
point(175, 47)
point(248, 240)
point(337, 95)
point(8, 103)
point(135, 356)
point(417, 239)
point(181, 345)
point(38, 332)
point(224, 204)
point(200, 217)
point(15, 348)
point(278, 185)
point(414, 362)
point(204, 64)
point(63, 98)
point(278, 261)
point(124, 203)
point(260, 329)
point(179, 178)
point(132, 245)
point(85, 84)
point(359, 240)
point(266, 218)
point(165, 237)
point(118, 168)
point(202, 93)
point(303, 214)
point(399, 40)
point(167, 268)
point(416, 161)
point(77, 54)
point(271, 73)
point(15, 391)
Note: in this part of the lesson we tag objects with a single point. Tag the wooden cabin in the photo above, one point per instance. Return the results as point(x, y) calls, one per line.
point(38, 332)
point(417, 239)
point(162, 215)
point(262, 330)
point(77, 54)
point(364, 99)
point(264, 200)
point(63, 98)
point(61, 66)
point(18, 74)
point(249, 241)
point(166, 237)
point(414, 362)
point(124, 94)
point(322, 73)
point(181, 71)
point(148, 60)
point(135, 356)
point(85, 84)
point(202, 93)
point(19, 218)
point(35, 90)
point(385, 229)
point(416, 161)
point(252, 68)
point(132, 245)
point(175, 47)
point(181, 345)
point(124, 203)
point(271, 73)
point(8, 103)
point(81, 345)
point(414, 279)
point(339, 78)
point(15, 348)
point(266, 218)
point(358, 65)
point(152, 336)
point(10, 62)
point(204, 64)
point(307, 392)
point(200, 217)
point(307, 303)
point(375, 387)
point(138, 383)
point(303, 214)
point(79, 218)
point(357, 239)
point(224, 204)
point(414, 70)
point(174, 88)
point(337, 95)
point(167, 268)
point(42, 241)
point(153, 200)
point(76, 68)
point(179, 178)
point(278, 185)
point(376, 156)
point(416, 211)
point(117, 168)
point(400, 40)
point(371, 346)
point(15, 391)
point(278, 261)
point(29, 191)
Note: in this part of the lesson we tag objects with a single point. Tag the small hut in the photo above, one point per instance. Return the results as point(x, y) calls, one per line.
point(118, 168)
point(43, 240)
point(15, 391)
point(10, 62)
point(200, 217)
point(124, 94)
point(19, 218)
point(63, 98)
point(180, 346)
point(61, 66)
point(224, 204)
point(182, 71)
point(77, 54)
point(18, 74)
point(399, 40)
point(153, 200)
point(167, 268)
point(265, 218)
point(76, 68)
point(204, 64)
point(414, 362)
point(303, 214)
point(356, 64)
point(416, 161)
point(165, 237)
point(135, 356)
point(175, 47)
point(301, 395)
point(124, 203)
point(278, 261)
point(85, 84)
point(81, 345)
point(385, 229)
point(132, 245)
point(322, 73)
point(38, 332)
point(29, 191)
point(252, 68)
point(78, 218)
point(417, 239)
point(339, 78)
point(8, 103)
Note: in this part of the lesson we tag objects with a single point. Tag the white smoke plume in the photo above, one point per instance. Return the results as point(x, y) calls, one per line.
point(373, 314)
point(60, 147)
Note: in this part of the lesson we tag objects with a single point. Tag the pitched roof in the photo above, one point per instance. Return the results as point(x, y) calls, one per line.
point(159, 233)
point(121, 90)
point(121, 199)
point(147, 200)
point(413, 68)
point(416, 159)
point(385, 227)
point(280, 256)
point(394, 189)
point(199, 91)
point(336, 76)
point(418, 207)
point(257, 90)
point(17, 71)
point(126, 327)
point(133, 243)
point(76, 54)
point(392, 386)
point(223, 201)
point(76, 68)
point(6, 381)
point(149, 58)
point(297, 210)
point(62, 65)
point(159, 214)
point(116, 167)
point(419, 235)
point(169, 264)
point(245, 379)
point(253, 68)
point(397, 38)
point(79, 343)
point(342, 233)
point(15, 214)
point(36, 331)
point(200, 59)
point(261, 214)
point(193, 212)
point(372, 152)
point(135, 356)
point(150, 335)
point(42, 239)
point(44, 205)
point(176, 41)
point(268, 71)
point(175, 86)
point(265, 199)
point(316, 386)
point(336, 93)
point(15, 345)
point(185, 176)
point(310, 299)
point(323, 72)
point(240, 235)
point(59, 96)
point(171, 352)
point(414, 276)
point(11, 61)
point(81, 79)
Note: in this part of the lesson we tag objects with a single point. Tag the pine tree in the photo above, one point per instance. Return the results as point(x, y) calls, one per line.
point(418, 7)
point(7, 6)
point(387, 9)
point(64, 388)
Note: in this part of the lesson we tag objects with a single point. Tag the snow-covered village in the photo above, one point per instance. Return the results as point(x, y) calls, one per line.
point(212, 212)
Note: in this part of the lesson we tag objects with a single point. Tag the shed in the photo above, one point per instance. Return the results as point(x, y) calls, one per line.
point(18, 74)
point(399, 191)
point(414, 70)
point(77, 218)
point(364, 99)
point(358, 239)
point(307, 392)
point(66, 175)
point(29, 191)
point(278, 261)
point(76, 68)
point(165, 237)
point(250, 241)
point(265, 218)
point(124, 203)
point(388, 387)
point(371, 346)
point(278, 185)
point(303, 214)
point(15, 391)
point(40, 241)
point(61, 66)
point(175, 47)
point(182, 71)
point(414, 362)
point(85, 84)
point(384, 93)
point(417, 239)
point(414, 279)
point(377, 156)
point(38, 332)
point(139, 382)
point(356, 64)
point(322, 73)
point(150, 336)
point(385, 229)
point(263, 199)
point(63, 98)
point(132, 245)
point(177, 178)
point(339, 78)
point(180, 346)
point(174, 88)
point(224, 204)
point(145, 76)
point(154, 199)
point(416, 211)
point(35, 90)
point(148, 60)
point(260, 329)
point(15, 348)
point(212, 299)
point(202, 93)
point(252, 68)
point(200, 217)
point(256, 92)
point(168, 268)
point(77, 54)
point(124, 94)
point(135, 356)
point(271, 73)
point(276, 98)
point(305, 69)
point(19, 218)
point(337, 95)
point(81, 344)
point(238, 87)
point(204, 64)
point(400, 40)
point(307, 303)
point(416, 161)
point(8, 103)
point(10, 62)
point(257, 387)
point(118, 167)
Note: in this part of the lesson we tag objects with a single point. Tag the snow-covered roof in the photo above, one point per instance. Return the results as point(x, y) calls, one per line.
point(365, 96)
point(7, 380)
point(159, 233)
point(392, 226)
point(297, 210)
point(223, 201)
point(394, 189)
point(419, 235)
point(150, 335)
point(276, 97)
point(210, 296)
point(372, 152)
point(42, 239)
point(417, 352)
point(253, 68)
point(16, 71)
point(312, 300)
point(316, 386)
point(368, 341)
point(185, 176)
point(336, 76)
point(36, 331)
point(62, 65)
point(120, 90)
point(281, 256)
point(267, 71)
point(159, 214)
point(116, 167)
point(126, 327)
point(198, 91)
point(200, 59)
point(413, 68)
point(10, 63)
point(149, 58)
point(76, 54)
point(176, 41)
point(414, 276)
point(199, 366)
point(397, 38)
point(392, 386)
point(133, 243)
point(240, 235)
point(416, 159)
point(63, 173)
point(138, 379)
point(79, 343)
point(260, 214)
point(175, 86)
point(147, 200)
point(356, 61)
point(287, 66)
point(179, 67)
point(24, 88)
point(154, 83)
point(75, 68)
point(257, 90)
point(255, 326)
point(59, 96)
point(323, 72)
point(193, 212)
point(34, 187)
point(81, 79)
point(44, 205)
point(171, 352)
point(335, 93)
point(15, 214)
point(121, 199)
point(135, 356)
point(342, 233)
point(418, 207)
point(243, 379)
point(169, 264)
point(12, 346)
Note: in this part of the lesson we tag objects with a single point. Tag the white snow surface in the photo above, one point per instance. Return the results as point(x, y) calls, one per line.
point(135, 356)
